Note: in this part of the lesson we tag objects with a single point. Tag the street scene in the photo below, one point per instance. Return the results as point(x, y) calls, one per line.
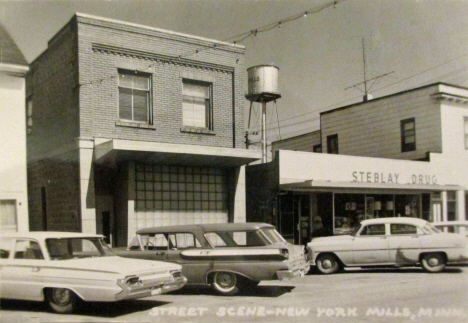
point(233, 161)
point(372, 295)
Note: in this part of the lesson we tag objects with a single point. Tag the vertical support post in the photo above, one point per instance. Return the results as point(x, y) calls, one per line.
point(264, 143)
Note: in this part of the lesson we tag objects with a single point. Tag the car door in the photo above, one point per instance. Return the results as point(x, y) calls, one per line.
point(404, 243)
point(21, 275)
point(187, 251)
point(370, 245)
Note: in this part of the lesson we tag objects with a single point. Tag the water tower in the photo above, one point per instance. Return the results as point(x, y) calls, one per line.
point(263, 88)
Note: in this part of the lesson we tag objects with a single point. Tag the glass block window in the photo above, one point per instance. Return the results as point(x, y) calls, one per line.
point(176, 188)
point(134, 96)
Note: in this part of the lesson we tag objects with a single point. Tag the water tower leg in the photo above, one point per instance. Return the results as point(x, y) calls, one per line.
point(264, 142)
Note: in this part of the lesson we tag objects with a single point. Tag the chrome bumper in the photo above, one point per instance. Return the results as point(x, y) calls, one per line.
point(289, 274)
point(139, 291)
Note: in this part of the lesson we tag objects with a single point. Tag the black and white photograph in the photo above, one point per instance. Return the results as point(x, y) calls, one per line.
point(233, 161)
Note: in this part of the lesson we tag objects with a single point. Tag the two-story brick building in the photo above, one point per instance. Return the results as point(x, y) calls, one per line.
point(135, 127)
point(400, 155)
point(13, 185)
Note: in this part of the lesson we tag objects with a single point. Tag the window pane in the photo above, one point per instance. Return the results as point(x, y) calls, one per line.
point(125, 80)
point(195, 90)
point(140, 83)
point(125, 104)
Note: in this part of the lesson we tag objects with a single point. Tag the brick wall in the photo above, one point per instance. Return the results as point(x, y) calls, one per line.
point(105, 46)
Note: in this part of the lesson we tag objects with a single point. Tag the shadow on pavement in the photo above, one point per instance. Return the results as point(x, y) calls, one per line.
point(402, 270)
point(95, 309)
point(259, 291)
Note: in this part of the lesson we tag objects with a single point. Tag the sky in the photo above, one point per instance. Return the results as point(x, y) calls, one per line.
point(406, 43)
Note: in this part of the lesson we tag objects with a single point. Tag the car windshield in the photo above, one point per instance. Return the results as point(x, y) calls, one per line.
point(354, 230)
point(73, 248)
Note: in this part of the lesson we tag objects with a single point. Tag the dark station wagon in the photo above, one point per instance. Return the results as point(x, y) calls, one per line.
point(230, 257)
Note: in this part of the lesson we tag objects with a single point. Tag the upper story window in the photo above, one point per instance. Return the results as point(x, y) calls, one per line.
point(466, 132)
point(197, 104)
point(134, 96)
point(408, 134)
point(332, 144)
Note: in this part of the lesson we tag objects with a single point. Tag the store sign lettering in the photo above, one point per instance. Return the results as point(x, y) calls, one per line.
point(392, 178)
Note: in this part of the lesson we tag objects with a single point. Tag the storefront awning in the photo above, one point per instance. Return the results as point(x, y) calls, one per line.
point(314, 185)
point(114, 151)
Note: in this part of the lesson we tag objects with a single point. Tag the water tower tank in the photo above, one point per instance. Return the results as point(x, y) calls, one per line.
point(263, 83)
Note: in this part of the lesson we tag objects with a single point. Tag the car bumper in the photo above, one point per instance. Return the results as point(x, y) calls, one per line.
point(139, 290)
point(289, 274)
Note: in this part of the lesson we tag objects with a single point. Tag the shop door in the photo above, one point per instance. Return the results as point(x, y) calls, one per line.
point(436, 210)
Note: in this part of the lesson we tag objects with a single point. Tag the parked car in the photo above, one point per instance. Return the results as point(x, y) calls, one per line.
point(65, 268)
point(389, 242)
point(230, 257)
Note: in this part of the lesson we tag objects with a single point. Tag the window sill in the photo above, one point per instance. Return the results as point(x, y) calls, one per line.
point(132, 124)
point(204, 131)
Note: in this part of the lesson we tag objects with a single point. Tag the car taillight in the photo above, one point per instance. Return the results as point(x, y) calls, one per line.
point(132, 280)
point(285, 253)
point(176, 274)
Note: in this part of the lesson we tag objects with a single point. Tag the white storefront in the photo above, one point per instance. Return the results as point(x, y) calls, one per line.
point(340, 190)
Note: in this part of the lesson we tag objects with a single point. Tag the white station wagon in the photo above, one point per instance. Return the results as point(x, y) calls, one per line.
point(65, 268)
point(389, 242)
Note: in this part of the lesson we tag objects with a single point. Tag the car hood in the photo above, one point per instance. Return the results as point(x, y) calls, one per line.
point(330, 241)
point(115, 264)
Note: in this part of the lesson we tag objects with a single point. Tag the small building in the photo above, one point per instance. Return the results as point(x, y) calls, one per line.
point(400, 155)
point(13, 182)
point(133, 127)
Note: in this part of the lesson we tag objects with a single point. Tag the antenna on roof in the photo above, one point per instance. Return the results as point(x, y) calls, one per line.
point(366, 90)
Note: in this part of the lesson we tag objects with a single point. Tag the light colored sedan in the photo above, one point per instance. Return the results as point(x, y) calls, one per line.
point(389, 242)
point(66, 268)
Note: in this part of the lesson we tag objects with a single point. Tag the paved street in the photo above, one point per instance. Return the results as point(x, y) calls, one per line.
point(405, 295)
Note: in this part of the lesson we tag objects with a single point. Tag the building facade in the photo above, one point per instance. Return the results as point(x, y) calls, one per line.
point(13, 183)
point(135, 127)
point(399, 155)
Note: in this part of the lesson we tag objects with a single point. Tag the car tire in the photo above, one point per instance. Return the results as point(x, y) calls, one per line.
point(61, 300)
point(433, 262)
point(328, 264)
point(226, 283)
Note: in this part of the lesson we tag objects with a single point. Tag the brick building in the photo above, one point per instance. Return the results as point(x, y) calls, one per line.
point(134, 127)
point(13, 185)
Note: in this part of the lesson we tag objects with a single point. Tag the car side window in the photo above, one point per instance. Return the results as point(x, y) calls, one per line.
point(184, 241)
point(373, 230)
point(400, 228)
point(157, 242)
point(215, 240)
point(28, 249)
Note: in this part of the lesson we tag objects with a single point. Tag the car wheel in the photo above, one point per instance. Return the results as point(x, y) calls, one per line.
point(327, 264)
point(433, 262)
point(62, 300)
point(226, 283)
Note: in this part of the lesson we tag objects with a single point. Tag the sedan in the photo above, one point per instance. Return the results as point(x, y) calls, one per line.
point(67, 268)
point(389, 242)
point(230, 257)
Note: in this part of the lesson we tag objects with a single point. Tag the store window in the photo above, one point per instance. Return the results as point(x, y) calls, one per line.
point(332, 144)
point(197, 104)
point(408, 135)
point(172, 188)
point(451, 205)
point(8, 217)
point(134, 96)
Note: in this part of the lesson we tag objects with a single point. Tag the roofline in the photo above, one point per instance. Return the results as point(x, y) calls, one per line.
point(165, 31)
point(297, 136)
point(394, 94)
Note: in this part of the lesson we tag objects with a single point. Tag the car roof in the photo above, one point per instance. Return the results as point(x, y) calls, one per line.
point(41, 235)
point(208, 227)
point(405, 220)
